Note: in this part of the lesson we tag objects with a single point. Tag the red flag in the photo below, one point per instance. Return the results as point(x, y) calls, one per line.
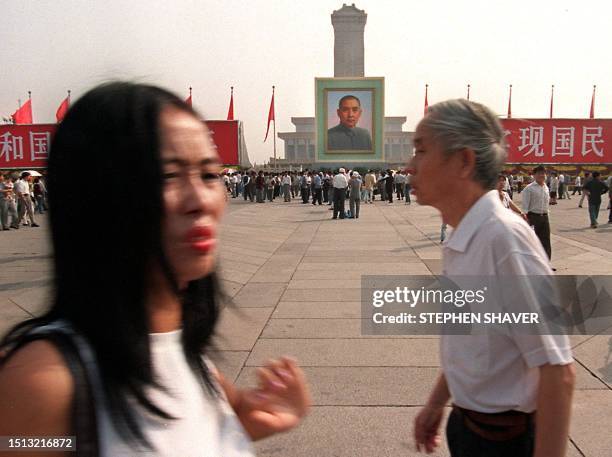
point(63, 108)
point(230, 111)
point(188, 99)
point(510, 103)
point(592, 112)
point(426, 103)
point(270, 115)
point(24, 114)
point(552, 96)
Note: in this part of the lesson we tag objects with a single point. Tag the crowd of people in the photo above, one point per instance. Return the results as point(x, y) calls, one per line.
point(319, 187)
point(21, 197)
point(335, 187)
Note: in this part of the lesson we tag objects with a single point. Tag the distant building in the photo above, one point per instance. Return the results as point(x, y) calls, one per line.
point(300, 146)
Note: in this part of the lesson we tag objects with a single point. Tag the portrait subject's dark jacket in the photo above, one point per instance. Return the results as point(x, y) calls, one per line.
point(344, 138)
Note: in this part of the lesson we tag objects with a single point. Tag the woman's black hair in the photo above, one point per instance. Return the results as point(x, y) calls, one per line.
point(106, 237)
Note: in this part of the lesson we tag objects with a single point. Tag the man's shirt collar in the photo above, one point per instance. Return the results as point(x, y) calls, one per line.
point(476, 216)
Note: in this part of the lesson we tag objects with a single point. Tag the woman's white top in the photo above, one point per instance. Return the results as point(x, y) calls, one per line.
point(505, 199)
point(205, 425)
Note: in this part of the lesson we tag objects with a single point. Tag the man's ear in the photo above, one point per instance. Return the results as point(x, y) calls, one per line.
point(467, 162)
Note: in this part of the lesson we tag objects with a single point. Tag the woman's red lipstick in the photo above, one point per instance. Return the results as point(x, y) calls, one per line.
point(201, 239)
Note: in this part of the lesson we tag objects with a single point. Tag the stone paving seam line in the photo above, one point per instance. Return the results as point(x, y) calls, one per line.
point(580, 245)
point(395, 210)
point(20, 307)
point(593, 374)
point(272, 312)
point(259, 337)
point(571, 440)
point(590, 337)
point(314, 235)
point(434, 241)
point(260, 266)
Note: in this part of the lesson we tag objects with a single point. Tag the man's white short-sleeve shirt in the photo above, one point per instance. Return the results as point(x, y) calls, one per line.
point(495, 373)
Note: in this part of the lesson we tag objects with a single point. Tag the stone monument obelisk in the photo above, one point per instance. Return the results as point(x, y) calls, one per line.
point(349, 24)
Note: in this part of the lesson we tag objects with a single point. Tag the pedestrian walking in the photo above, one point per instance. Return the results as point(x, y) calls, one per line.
point(389, 186)
point(536, 201)
point(304, 187)
point(596, 188)
point(400, 181)
point(370, 184)
point(25, 204)
point(354, 194)
point(121, 359)
point(587, 178)
point(37, 190)
point(286, 182)
point(577, 185)
point(505, 198)
point(11, 203)
point(407, 187)
point(554, 188)
point(317, 186)
point(270, 182)
point(497, 383)
point(260, 186)
point(340, 184)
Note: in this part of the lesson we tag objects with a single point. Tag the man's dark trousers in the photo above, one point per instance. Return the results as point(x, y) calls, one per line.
point(399, 191)
point(339, 197)
point(541, 226)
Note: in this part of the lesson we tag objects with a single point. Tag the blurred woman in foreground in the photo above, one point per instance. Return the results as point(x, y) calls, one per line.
point(120, 359)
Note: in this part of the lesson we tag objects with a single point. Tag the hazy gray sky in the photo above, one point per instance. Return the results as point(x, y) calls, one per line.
point(49, 46)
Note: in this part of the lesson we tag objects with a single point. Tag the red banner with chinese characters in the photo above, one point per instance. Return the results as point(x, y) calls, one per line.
point(570, 141)
point(27, 146)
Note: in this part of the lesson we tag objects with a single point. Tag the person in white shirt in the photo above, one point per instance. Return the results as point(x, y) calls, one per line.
point(508, 185)
point(561, 186)
point(554, 188)
point(399, 180)
point(238, 183)
point(519, 183)
point(407, 188)
point(577, 185)
point(536, 200)
point(505, 198)
point(370, 183)
point(495, 381)
point(24, 201)
point(340, 184)
point(286, 183)
point(233, 184)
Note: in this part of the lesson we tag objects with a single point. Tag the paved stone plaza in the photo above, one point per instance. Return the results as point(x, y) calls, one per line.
point(294, 275)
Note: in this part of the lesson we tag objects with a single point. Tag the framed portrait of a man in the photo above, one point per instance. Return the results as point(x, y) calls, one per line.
point(349, 118)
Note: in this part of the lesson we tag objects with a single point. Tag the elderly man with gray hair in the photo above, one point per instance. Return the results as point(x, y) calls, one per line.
point(500, 385)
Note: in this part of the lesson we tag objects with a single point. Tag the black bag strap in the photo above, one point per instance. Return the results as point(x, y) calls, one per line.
point(84, 421)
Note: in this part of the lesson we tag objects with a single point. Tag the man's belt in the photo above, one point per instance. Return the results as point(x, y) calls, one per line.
point(537, 214)
point(502, 426)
